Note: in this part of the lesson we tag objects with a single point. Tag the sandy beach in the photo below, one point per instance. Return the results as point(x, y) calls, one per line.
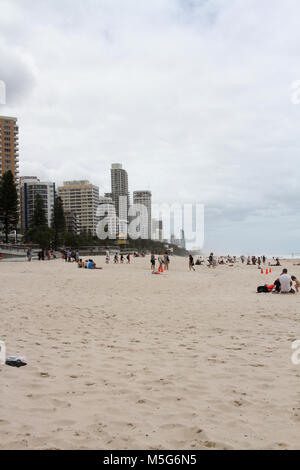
point(123, 359)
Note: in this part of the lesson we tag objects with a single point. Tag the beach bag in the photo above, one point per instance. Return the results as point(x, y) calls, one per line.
point(261, 289)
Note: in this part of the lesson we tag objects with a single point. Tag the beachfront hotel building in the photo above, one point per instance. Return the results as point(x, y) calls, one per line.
point(144, 198)
point(81, 197)
point(29, 188)
point(9, 146)
point(120, 195)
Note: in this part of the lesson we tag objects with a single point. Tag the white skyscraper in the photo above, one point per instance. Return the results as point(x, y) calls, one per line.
point(120, 195)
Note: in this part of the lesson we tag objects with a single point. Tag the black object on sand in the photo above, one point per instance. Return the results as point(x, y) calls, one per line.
point(15, 361)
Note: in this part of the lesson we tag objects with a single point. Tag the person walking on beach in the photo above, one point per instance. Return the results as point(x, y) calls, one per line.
point(29, 255)
point(128, 258)
point(191, 263)
point(152, 260)
point(166, 261)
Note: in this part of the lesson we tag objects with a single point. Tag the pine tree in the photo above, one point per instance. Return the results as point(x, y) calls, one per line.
point(39, 218)
point(9, 215)
point(39, 231)
point(58, 220)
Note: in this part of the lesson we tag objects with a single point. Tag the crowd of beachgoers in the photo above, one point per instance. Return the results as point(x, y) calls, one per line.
point(159, 263)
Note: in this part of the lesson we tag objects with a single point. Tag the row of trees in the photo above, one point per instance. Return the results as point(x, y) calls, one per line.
point(57, 235)
point(39, 231)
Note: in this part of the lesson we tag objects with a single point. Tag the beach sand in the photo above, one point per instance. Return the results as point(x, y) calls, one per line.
point(123, 359)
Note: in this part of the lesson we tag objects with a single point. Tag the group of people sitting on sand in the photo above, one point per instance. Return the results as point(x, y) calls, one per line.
point(231, 261)
point(212, 261)
point(87, 264)
point(282, 285)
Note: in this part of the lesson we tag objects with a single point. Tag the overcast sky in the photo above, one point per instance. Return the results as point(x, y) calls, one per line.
point(192, 96)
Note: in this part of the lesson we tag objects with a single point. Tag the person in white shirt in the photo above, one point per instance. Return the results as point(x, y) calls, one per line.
point(286, 283)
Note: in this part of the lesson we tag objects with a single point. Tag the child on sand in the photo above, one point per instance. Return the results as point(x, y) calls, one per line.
point(297, 283)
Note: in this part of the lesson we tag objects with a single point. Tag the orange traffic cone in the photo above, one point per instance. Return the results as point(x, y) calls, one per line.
point(270, 270)
point(261, 271)
point(267, 272)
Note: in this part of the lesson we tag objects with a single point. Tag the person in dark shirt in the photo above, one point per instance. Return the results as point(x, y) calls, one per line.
point(191, 263)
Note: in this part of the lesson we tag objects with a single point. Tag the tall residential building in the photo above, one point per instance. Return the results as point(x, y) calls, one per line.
point(29, 187)
point(144, 198)
point(120, 195)
point(9, 146)
point(81, 197)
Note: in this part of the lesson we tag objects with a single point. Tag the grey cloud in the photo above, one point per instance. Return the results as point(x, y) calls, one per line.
point(17, 75)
